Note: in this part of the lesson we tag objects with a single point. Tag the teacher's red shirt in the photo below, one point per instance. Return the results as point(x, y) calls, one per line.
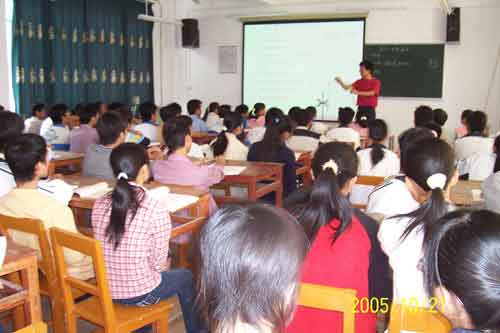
point(368, 85)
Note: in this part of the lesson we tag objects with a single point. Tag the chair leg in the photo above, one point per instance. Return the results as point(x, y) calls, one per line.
point(58, 316)
point(161, 325)
point(71, 323)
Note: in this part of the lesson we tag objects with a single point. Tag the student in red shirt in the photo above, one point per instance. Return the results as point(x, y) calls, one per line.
point(367, 89)
point(345, 251)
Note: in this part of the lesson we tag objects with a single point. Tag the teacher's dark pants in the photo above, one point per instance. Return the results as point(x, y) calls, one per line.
point(367, 111)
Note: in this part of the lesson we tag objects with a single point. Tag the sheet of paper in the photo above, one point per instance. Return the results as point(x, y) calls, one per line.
point(233, 170)
point(93, 191)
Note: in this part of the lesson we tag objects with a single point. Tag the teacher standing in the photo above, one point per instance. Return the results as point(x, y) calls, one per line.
point(367, 89)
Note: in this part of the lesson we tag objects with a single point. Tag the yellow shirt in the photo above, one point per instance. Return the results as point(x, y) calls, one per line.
point(30, 203)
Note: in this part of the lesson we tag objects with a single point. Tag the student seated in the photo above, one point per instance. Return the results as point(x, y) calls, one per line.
point(345, 252)
point(212, 118)
point(224, 109)
point(112, 133)
point(243, 110)
point(57, 134)
point(227, 142)
point(292, 114)
point(272, 148)
point(256, 134)
point(317, 127)
point(167, 114)
point(251, 257)
point(11, 126)
point(303, 139)
point(196, 151)
point(82, 137)
point(423, 115)
point(148, 127)
point(130, 221)
point(480, 165)
point(464, 274)
point(381, 200)
point(491, 185)
point(27, 157)
point(345, 133)
point(360, 125)
point(462, 131)
point(194, 111)
point(440, 118)
point(34, 123)
point(430, 173)
point(258, 116)
point(476, 140)
point(127, 117)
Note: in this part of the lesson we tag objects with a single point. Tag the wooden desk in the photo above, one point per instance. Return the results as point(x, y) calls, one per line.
point(23, 260)
point(260, 178)
point(204, 138)
point(305, 159)
point(461, 194)
point(64, 159)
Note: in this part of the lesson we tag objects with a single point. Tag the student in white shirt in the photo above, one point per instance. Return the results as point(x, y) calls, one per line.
point(491, 190)
point(344, 133)
point(440, 118)
point(480, 166)
point(430, 172)
point(317, 126)
point(57, 132)
point(256, 134)
point(34, 123)
point(148, 127)
point(227, 142)
point(303, 139)
point(212, 118)
point(475, 141)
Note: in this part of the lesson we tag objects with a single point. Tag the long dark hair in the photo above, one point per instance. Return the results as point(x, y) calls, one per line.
point(175, 132)
point(256, 108)
point(212, 107)
point(497, 152)
point(232, 121)
point(126, 162)
point(377, 131)
point(428, 158)
point(326, 201)
point(462, 256)
point(267, 149)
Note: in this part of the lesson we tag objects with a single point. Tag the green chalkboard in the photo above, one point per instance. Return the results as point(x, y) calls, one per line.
point(408, 70)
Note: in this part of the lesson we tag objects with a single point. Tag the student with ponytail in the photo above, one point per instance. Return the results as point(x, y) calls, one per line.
point(345, 252)
point(212, 117)
point(258, 116)
point(430, 173)
point(377, 160)
point(227, 142)
point(134, 231)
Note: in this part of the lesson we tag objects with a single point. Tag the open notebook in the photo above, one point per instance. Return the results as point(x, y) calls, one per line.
point(93, 191)
point(174, 201)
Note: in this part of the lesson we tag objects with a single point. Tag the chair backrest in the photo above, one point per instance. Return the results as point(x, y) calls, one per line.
point(35, 328)
point(331, 299)
point(404, 318)
point(61, 240)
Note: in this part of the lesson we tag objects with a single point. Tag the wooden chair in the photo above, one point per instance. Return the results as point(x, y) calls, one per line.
point(35, 328)
point(368, 181)
point(99, 309)
point(47, 279)
point(404, 318)
point(331, 299)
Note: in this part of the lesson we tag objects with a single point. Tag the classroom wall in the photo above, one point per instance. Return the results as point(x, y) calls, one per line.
point(468, 65)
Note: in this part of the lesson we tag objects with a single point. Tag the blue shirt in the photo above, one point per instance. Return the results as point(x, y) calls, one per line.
point(198, 124)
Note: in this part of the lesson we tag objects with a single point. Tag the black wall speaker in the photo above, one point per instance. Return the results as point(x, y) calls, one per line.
point(453, 26)
point(190, 34)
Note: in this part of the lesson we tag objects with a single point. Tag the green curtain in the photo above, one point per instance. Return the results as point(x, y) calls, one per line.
point(77, 51)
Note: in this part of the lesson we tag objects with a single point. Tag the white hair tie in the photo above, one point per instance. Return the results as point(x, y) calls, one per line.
point(437, 180)
point(331, 164)
point(122, 175)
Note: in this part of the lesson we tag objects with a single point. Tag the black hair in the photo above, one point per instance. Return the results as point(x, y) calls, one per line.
point(423, 115)
point(497, 152)
point(377, 131)
point(293, 113)
point(2, 108)
point(147, 110)
point(462, 256)
point(326, 201)
point(250, 257)
point(362, 119)
point(232, 121)
point(124, 112)
point(193, 105)
point(57, 112)
point(224, 110)
point(346, 115)
point(37, 108)
point(11, 126)
point(77, 109)
point(434, 127)
point(127, 158)
point(440, 117)
point(466, 114)
point(272, 114)
point(312, 110)
point(303, 118)
point(368, 65)
point(409, 138)
point(242, 109)
point(170, 111)
point(174, 134)
point(212, 107)
point(267, 149)
point(477, 122)
point(23, 154)
point(109, 127)
point(89, 111)
point(115, 106)
point(256, 108)
point(423, 160)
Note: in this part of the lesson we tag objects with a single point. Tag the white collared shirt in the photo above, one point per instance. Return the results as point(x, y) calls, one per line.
point(344, 134)
point(388, 166)
point(469, 145)
point(491, 191)
point(149, 130)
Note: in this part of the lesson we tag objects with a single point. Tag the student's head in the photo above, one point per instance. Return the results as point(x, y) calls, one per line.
point(346, 115)
point(430, 170)
point(335, 167)
point(194, 107)
point(243, 110)
point(233, 122)
point(440, 117)
point(423, 115)
point(435, 129)
point(293, 113)
point(112, 129)
point(278, 130)
point(366, 68)
point(11, 126)
point(496, 150)
point(123, 110)
point(102, 108)
point(462, 267)
point(78, 109)
point(89, 114)
point(272, 114)
point(38, 111)
point(224, 109)
point(27, 156)
point(59, 113)
point(212, 107)
point(465, 116)
point(477, 122)
point(304, 118)
point(251, 258)
point(259, 110)
point(313, 111)
point(169, 112)
point(377, 134)
point(177, 136)
point(362, 119)
point(130, 163)
point(147, 112)
point(410, 137)
point(116, 106)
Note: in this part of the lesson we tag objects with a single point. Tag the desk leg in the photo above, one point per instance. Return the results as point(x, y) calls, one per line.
point(252, 191)
point(29, 277)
